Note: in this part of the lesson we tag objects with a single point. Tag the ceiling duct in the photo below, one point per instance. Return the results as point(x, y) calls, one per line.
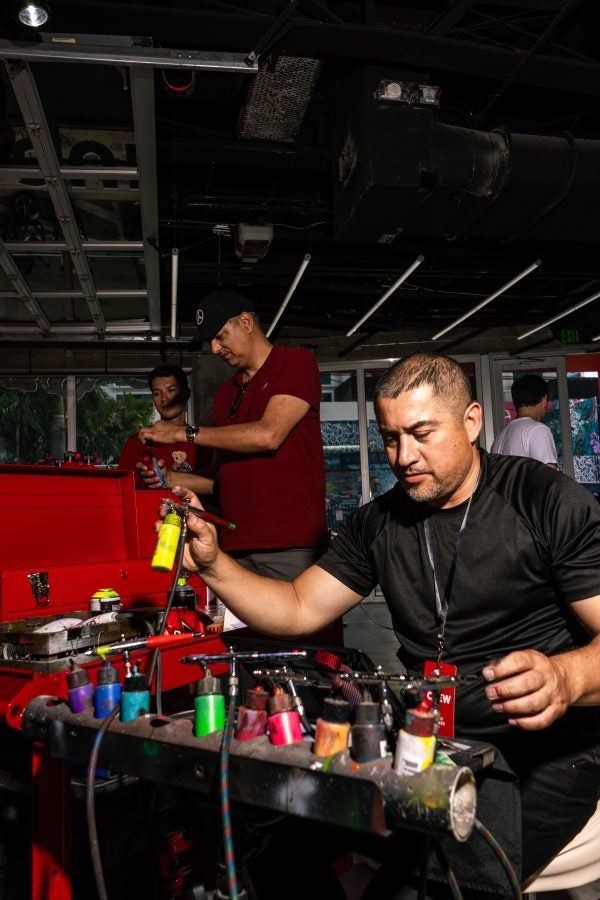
point(401, 172)
point(278, 98)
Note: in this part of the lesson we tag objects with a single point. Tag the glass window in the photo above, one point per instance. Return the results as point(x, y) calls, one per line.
point(339, 428)
point(381, 477)
point(32, 419)
point(583, 389)
point(108, 411)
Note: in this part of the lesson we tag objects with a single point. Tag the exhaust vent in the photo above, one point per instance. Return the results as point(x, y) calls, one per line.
point(401, 172)
point(278, 99)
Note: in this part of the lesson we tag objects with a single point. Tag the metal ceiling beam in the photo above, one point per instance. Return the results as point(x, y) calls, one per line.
point(108, 173)
point(448, 18)
point(129, 331)
point(34, 118)
point(37, 248)
point(23, 291)
point(142, 100)
point(143, 56)
point(386, 43)
point(78, 295)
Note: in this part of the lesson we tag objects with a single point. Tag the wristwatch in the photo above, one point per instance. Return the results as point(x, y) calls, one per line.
point(190, 433)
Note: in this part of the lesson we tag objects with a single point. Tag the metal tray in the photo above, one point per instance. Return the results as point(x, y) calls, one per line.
point(18, 639)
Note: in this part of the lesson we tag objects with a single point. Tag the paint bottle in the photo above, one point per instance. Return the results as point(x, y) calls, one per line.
point(252, 717)
point(108, 692)
point(80, 690)
point(415, 749)
point(367, 735)
point(166, 544)
point(185, 595)
point(151, 462)
point(332, 728)
point(105, 600)
point(209, 707)
point(283, 725)
point(135, 696)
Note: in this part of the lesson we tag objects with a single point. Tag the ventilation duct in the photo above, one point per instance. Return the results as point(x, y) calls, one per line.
point(278, 98)
point(402, 173)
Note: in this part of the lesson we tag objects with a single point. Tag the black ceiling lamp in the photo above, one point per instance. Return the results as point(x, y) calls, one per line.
point(34, 14)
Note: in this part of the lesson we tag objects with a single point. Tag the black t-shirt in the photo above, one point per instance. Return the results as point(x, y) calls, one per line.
point(531, 546)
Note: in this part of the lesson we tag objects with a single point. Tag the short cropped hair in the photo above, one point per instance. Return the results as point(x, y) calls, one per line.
point(443, 375)
point(528, 390)
point(168, 370)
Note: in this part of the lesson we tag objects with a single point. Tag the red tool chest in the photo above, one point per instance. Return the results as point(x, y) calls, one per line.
point(87, 528)
point(68, 532)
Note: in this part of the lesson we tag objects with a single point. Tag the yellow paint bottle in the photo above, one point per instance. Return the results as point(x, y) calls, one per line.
point(166, 545)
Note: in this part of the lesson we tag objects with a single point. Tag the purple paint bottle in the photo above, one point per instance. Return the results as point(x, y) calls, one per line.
point(81, 690)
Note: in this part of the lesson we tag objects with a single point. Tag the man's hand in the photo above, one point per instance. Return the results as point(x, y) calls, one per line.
point(530, 688)
point(201, 549)
point(162, 433)
point(149, 476)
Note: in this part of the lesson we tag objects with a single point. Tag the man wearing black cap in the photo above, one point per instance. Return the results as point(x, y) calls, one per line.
point(266, 437)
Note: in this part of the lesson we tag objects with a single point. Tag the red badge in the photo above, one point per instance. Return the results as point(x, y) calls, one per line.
point(447, 696)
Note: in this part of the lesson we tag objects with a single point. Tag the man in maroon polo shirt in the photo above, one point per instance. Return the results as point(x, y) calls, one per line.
point(265, 433)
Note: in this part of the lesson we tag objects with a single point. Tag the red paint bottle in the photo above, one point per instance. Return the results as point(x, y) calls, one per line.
point(283, 724)
point(252, 717)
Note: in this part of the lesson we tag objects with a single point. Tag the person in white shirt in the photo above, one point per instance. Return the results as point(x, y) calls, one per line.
point(527, 435)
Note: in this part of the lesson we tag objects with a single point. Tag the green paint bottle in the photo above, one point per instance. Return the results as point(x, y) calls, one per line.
point(209, 707)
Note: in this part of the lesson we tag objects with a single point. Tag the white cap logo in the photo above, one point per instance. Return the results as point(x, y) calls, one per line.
point(199, 317)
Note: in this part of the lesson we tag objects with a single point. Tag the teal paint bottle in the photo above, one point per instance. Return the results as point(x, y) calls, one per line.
point(135, 696)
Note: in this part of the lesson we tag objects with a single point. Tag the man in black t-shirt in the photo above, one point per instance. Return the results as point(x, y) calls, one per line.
point(487, 563)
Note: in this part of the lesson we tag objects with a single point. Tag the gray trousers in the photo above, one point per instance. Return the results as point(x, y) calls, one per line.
point(286, 564)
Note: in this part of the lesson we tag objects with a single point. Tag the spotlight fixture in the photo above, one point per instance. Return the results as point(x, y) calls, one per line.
point(34, 14)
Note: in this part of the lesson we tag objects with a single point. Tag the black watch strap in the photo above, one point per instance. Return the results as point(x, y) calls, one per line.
point(190, 433)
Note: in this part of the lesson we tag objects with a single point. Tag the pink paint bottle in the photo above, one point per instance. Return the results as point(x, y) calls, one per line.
point(252, 717)
point(283, 724)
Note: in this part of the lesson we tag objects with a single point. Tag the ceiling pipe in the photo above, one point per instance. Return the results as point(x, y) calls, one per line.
point(489, 299)
point(387, 294)
point(174, 280)
point(561, 315)
point(293, 287)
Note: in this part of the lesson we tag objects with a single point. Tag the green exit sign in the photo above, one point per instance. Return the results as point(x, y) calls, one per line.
point(570, 336)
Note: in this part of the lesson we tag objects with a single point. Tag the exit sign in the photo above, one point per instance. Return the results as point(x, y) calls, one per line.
point(570, 336)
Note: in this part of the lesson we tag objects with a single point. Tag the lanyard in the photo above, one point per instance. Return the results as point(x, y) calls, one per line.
point(442, 603)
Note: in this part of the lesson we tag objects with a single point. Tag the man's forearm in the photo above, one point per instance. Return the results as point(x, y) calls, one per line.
point(247, 437)
point(265, 604)
point(199, 484)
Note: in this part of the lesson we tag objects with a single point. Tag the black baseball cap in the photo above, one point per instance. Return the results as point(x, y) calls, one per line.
point(216, 309)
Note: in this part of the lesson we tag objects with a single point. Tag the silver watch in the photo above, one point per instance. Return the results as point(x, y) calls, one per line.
point(190, 433)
